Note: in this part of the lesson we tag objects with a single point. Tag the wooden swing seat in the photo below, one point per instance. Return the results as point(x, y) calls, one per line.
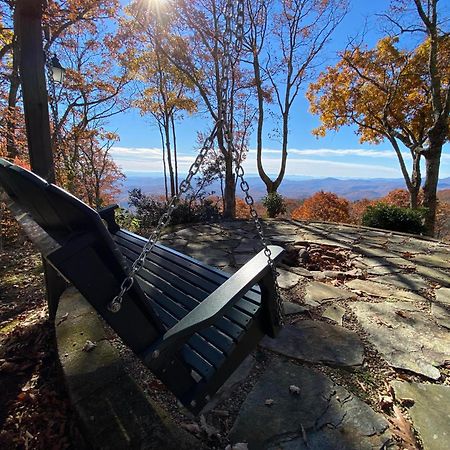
point(190, 323)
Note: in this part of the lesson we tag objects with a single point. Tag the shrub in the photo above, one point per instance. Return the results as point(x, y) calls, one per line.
point(324, 206)
point(395, 218)
point(126, 220)
point(149, 209)
point(274, 203)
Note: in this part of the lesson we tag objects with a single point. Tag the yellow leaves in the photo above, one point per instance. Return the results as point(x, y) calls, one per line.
point(379, 90)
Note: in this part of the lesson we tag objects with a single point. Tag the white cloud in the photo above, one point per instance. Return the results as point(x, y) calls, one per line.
point(150, 159)
point(362, 152)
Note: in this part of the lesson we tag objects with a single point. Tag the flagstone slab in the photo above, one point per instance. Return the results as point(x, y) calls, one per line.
point(322, 416)
point(433, 260)
point(405, 336)
point(384, 291)
point(287, 279)
point(318, 342)
point(293, 308)
point(335, 313)
point(430, 412)
point(317, 292)
point(435, 275)
point(440, 308)
point(408, 281)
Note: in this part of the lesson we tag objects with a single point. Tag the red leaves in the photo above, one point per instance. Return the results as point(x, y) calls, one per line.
point(324, 206)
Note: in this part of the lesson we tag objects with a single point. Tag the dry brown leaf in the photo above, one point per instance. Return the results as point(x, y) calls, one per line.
point(89, 346)
point(62, 319)
point(385, 402)
point(191, 427)
point(402, 429)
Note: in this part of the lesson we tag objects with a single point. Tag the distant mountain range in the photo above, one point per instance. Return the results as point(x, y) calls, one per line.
point(291, 187)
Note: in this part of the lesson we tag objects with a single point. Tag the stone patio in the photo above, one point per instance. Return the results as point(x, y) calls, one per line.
point(379, 330)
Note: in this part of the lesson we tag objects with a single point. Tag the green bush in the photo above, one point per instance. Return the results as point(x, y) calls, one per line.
point(126, 220)
point(395, 218)
point(274, 203)
point(148, 209)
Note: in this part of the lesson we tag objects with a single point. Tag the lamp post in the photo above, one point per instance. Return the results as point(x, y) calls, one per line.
point(58, 70)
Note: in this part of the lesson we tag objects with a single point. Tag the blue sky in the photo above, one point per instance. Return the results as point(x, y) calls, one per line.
point(339, 154)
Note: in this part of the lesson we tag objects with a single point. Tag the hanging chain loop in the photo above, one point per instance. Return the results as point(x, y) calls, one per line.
point(228, 135)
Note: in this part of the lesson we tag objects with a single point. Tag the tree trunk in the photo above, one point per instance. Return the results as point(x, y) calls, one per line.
point(175, 155)
point(169, 155)
point(229, 206)
point(416, 181)
point(35, 97)
point(11, 147)
point(284, 147)
point(432, 164)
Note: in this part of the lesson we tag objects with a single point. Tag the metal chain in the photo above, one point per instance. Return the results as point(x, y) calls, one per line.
point(116, 303)
point(227, 131)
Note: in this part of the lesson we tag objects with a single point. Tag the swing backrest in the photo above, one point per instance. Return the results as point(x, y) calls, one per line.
point(87, 257)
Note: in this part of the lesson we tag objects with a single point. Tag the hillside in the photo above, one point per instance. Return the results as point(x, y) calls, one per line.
point(292, 187)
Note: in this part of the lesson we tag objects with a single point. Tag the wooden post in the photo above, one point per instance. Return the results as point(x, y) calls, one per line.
point(28, 14)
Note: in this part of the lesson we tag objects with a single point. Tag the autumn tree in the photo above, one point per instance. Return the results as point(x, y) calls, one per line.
point(92, 92)
point(74, 29)
point(395, 94)
point(426, 18)
point(194, 40)
point(284, 41)
point(163, 91)
point(324, 206)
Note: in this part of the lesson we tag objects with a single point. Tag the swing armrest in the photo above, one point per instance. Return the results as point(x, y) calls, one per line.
point(216, 304)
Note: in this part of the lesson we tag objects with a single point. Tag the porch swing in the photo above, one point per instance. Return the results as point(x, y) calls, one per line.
point(190, 323)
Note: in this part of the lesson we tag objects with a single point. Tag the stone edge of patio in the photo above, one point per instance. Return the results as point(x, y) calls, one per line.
point(112, 411)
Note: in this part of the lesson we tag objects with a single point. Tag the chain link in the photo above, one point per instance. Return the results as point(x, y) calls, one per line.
point(227, 132)
point(116, 303)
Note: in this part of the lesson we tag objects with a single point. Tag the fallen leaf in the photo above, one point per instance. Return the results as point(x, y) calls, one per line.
point(207, 428)
point(62, 319)
point(402, 429)
point(89, 346)
point(402, 314)
point(407, 402)
point(191, 427)
point(385, 402)
point(293, 389)
point(269, 402)
point(238, 446)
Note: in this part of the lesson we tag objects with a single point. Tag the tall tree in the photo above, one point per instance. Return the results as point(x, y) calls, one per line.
point(193, 37)
point(285, 41)
point(164, 92)
point(426, 18)
point(92, 92)
point(383, 92)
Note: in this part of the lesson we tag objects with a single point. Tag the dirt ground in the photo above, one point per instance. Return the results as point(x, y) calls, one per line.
point(34, 407)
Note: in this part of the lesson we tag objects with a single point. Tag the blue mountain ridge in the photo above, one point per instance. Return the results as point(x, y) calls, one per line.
point(295, 187)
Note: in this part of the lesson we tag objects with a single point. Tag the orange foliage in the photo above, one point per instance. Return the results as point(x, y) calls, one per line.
point(22, 163)
point(358, 208)
point(400, 197)
point(324, 206)
point(242, 211)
